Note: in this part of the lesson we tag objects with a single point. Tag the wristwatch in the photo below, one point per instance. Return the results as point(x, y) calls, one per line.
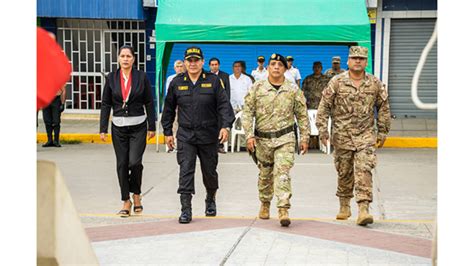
point(228, 128)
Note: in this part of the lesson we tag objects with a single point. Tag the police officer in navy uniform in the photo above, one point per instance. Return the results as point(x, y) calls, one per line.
point(201, 99)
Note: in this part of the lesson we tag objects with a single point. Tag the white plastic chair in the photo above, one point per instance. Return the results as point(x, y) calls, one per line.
point(226, 146)
point(322, 147)
point(312, 114)
point(236, 131)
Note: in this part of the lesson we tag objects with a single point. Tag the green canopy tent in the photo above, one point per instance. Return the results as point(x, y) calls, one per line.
point(262, 21)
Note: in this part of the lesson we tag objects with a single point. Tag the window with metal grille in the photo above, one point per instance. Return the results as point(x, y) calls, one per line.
point(92, 47)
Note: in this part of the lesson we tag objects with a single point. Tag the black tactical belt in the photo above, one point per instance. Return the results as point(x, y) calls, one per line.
point(276, 134)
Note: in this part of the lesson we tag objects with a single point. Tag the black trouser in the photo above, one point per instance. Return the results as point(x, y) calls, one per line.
point(186, 156)
point(129, 145)
point(52, 119)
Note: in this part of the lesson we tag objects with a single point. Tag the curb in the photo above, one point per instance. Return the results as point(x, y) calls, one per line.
point(391, 142)
point(90, 138)
point(411, 142)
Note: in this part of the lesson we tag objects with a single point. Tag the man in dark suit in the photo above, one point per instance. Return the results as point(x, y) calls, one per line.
point(214, 65)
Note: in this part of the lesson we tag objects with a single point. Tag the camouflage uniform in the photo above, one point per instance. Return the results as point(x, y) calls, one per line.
point(274, 110)
point(331, 72)
point(353, 132)
point(313, 88)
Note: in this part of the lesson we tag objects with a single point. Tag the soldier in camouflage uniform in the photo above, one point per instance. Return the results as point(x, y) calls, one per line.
point(274, 103)
point(336, 68)
point(313, 86)
point(350, 99)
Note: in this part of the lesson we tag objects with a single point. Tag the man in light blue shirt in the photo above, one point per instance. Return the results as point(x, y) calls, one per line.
point(178, 68)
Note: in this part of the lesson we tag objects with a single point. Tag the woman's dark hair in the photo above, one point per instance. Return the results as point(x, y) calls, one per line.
point(127, 47)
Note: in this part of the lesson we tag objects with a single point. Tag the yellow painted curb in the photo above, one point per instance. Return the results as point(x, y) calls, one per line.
point(411, 142)
point(391, 142)
point(90, 138)
point(72, 116)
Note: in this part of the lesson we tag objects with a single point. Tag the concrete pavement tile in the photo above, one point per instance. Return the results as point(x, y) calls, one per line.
point(179, 248)
point(414, 133)
point(290, 249)
point(340, 264)
point(356, 235)
point(94, 221)
point(415, 229)
point(413, 124)
point(396, 124)
point(375, 257)
point(357, 256)
point(432, 124)
point(408, 186)
point(314, 182)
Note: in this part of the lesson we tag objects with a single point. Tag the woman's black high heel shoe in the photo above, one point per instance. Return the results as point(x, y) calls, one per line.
point(124, 213)
point(138, 209)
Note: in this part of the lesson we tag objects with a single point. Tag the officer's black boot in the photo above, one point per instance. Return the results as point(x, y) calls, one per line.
point(211, 203)
point(56, 136)
point(49, 132)
point(186, 212)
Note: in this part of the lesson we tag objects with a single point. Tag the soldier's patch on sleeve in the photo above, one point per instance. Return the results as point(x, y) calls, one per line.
point(328, 92)
point(384, 92)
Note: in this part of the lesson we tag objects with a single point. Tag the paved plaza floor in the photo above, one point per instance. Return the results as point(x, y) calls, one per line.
point(404, 209)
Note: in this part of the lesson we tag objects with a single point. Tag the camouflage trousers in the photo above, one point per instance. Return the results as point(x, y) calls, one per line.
point(275, 162)
point(354, 169)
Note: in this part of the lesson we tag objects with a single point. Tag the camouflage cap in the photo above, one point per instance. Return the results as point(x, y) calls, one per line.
point(336, 59)
point(358, 51)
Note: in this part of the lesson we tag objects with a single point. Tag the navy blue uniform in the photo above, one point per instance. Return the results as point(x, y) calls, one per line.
point(199, 106)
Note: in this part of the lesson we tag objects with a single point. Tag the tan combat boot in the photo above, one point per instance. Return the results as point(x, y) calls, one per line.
point(344, 209)
point(283, 216)
point(264, 211)
point(364, 216)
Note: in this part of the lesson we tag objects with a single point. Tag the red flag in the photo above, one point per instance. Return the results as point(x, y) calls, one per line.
point(53, 69)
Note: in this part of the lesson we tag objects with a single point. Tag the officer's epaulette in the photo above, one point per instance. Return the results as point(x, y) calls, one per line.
point(207, 73)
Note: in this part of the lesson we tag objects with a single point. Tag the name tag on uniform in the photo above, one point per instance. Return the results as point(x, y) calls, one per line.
point(206, 85)
point(182, 88)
